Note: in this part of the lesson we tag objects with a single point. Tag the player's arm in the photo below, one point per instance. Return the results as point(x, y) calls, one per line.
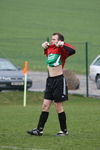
point(45, 46)
point(69, 48)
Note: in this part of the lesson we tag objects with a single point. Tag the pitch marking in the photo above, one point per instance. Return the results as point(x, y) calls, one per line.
point(19, 148)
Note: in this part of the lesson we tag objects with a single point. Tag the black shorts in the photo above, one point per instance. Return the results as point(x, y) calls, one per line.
point(56, 89)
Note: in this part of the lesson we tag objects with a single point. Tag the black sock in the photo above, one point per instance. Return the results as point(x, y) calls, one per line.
point(42, 120)
point(62, 121)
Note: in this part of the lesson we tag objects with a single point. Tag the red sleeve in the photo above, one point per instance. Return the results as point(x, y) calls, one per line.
point(68, 45)
point(45, 52)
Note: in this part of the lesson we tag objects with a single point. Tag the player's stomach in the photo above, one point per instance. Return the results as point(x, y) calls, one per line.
point(55, 71)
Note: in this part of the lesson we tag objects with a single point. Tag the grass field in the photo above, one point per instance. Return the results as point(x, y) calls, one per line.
point(83, 117)
point(25, 24)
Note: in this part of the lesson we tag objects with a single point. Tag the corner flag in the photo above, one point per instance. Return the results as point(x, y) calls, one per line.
point(25, 70)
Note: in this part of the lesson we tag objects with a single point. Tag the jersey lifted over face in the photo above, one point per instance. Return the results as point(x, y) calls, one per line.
point(57, 55)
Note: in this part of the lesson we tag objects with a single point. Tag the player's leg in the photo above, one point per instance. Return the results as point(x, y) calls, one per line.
point(59, 107)
point(60, 95)
point(44, 114)
point(62, 119)
point(42, 119)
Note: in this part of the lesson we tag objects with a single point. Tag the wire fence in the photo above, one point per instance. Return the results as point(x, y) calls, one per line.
point(18, 50)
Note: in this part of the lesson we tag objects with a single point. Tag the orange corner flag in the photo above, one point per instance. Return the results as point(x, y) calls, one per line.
point(25, 70)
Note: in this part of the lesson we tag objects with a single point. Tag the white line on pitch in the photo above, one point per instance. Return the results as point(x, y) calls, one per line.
point(19, 148)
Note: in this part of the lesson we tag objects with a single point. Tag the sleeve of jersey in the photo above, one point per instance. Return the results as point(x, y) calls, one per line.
point(45, 52)
point(69, 48)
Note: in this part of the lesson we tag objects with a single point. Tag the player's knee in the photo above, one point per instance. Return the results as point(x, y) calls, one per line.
point(59, 108)
point(45, 107)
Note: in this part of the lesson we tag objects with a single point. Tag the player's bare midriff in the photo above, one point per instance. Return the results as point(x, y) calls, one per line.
point(55, 71)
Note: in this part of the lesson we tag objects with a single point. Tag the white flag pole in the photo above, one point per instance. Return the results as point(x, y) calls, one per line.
point(25, 88)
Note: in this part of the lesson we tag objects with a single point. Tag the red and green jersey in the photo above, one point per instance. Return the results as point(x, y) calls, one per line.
point(58, 55)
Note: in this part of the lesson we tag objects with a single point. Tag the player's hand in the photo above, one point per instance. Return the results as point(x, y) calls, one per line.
point(59, 43)
point(45, 45)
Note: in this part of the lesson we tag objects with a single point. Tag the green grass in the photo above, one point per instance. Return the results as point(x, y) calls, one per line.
point(83, 117)
point(25, 24)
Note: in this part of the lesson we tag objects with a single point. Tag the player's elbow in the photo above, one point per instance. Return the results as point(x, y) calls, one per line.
point(72, 52)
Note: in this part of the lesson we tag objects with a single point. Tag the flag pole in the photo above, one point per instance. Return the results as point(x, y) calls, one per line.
point(25, 70)
point(25, 88)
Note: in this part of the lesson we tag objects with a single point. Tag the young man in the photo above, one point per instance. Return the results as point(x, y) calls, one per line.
point(56, 86)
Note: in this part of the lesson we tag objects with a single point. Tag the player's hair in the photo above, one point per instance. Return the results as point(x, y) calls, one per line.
point(60, 36)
